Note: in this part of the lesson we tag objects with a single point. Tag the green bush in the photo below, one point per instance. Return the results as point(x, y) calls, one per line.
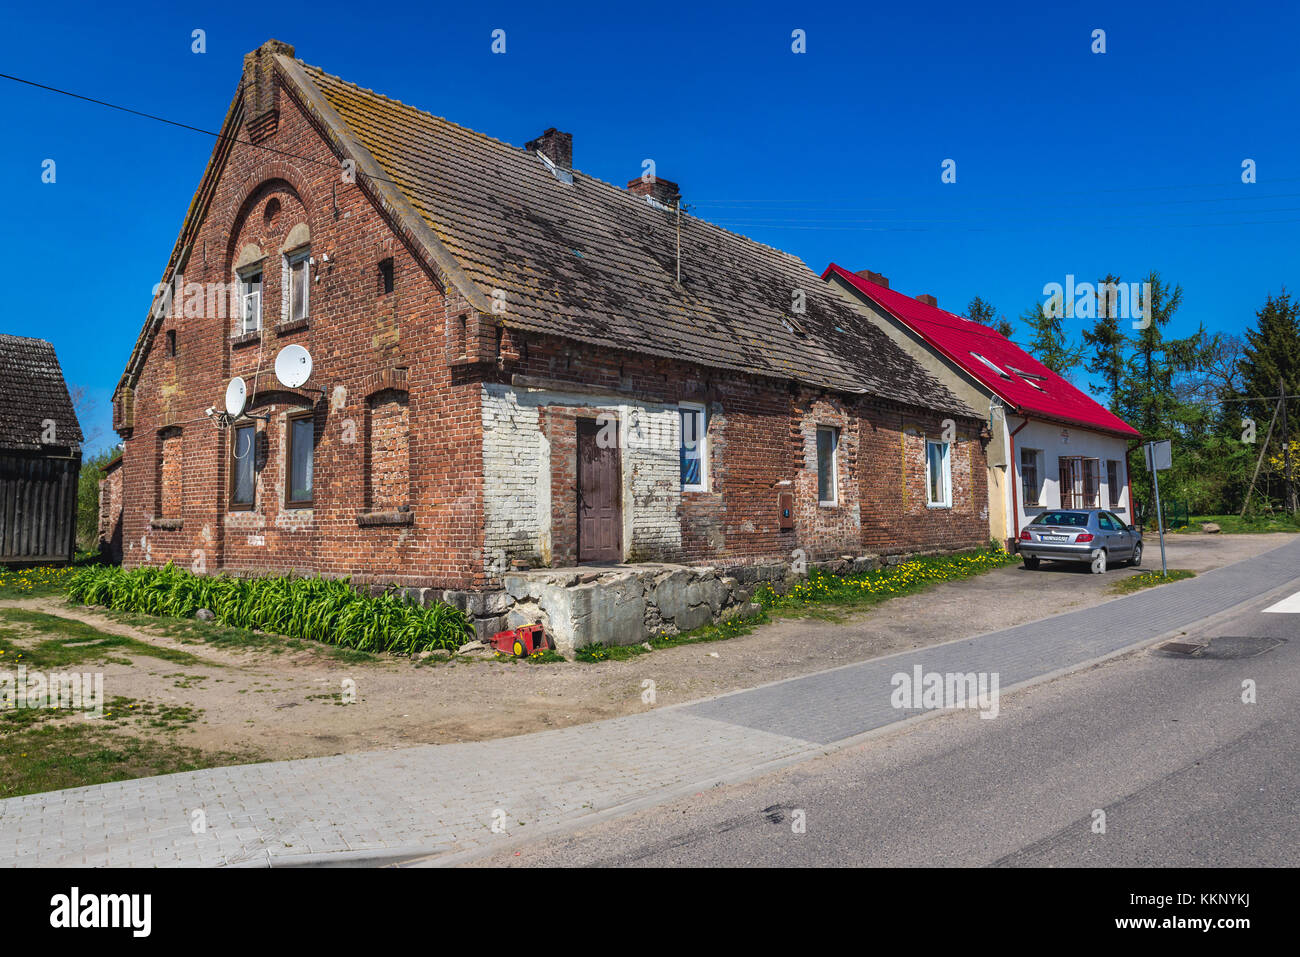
point(317, 609)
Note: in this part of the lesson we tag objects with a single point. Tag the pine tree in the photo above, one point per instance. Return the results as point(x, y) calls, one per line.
point(981, 311)
point(1272, 354)
point(1048, 342)
point(1272, 360)
point(1107, 343)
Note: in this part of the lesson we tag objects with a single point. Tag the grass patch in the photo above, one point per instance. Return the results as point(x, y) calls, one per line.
point(70, 642)
point(829, 596)
point(1126, 586)
point(36, 756)
point(706, 633)
point(193, 631)
point(34, 582)
point(1235, 524)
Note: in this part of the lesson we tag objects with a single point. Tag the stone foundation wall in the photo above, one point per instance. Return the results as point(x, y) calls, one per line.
point(629, 604)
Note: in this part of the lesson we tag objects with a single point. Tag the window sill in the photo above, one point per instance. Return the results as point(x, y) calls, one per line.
point(292, 325)
point(167, 524)
point(246, 339)
point(828, 504)
point(938, 506)
point(375, 519)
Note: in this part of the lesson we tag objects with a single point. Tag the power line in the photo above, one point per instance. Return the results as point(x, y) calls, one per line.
point(801, 223)
point(183, 126)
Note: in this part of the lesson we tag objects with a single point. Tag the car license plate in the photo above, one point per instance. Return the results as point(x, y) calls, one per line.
point(1054, 538)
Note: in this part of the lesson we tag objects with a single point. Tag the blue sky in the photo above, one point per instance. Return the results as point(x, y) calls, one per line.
point(1068, 162)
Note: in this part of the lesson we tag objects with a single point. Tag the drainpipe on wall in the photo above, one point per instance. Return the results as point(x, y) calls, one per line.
point(1015, 482)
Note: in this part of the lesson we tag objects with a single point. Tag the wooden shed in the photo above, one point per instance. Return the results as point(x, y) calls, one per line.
point(40, 456)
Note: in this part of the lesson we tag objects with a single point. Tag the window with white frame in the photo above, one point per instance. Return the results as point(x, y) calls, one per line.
point(938, 475)
point(298, 285)
point(694, 446)
point(1031, 478)
point(250, 300)
point(828, 443)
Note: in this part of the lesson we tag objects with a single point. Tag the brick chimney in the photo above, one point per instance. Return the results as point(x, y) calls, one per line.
point(928, 299)
point(260, 112)
point(555, 146)
point(875, 277)
point(660, 190)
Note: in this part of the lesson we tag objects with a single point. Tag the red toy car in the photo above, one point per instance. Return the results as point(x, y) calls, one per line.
point(521, 642)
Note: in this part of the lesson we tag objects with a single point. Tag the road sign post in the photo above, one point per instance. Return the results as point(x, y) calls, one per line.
point(1160, 456)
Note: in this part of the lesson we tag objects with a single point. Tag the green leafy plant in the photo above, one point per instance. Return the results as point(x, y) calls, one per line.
point(327, 610)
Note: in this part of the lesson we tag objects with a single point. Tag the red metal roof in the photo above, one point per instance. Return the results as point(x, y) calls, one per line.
point(1026, 385)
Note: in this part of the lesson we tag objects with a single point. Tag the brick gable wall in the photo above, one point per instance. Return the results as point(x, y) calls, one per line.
point(372, 355)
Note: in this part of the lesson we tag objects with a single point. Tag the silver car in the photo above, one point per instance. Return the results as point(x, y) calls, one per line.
point(1091, 535)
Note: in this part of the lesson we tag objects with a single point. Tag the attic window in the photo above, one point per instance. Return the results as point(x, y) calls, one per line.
point(386, 275)
point(1027, 375)
point(991, 365)
point(793, 326)
point(171, 342)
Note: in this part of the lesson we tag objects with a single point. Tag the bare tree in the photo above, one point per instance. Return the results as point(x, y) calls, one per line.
point(84, 406)
point(1218, 375)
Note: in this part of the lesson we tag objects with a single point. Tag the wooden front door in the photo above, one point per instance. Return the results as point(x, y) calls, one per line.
point(600, 484)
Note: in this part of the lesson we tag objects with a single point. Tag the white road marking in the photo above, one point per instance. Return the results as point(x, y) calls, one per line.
point(1287, 606)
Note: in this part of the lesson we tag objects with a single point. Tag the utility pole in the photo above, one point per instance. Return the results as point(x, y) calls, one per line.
point(1286, 450)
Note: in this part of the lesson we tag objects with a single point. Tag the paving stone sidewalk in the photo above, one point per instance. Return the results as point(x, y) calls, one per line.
point(447, 798)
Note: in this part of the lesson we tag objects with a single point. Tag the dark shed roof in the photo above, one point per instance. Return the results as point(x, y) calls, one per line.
point(32, 391)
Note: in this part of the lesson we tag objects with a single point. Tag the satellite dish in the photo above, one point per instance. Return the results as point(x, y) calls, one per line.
point(293, 366)
point(236, 397)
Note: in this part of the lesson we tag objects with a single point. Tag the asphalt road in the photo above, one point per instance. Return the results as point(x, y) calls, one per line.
point(1185, 772)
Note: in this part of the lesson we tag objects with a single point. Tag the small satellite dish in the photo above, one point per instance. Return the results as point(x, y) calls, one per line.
point(293, 366)
point(236, 397)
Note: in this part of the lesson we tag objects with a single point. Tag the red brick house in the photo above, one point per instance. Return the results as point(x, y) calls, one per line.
point(515, 364)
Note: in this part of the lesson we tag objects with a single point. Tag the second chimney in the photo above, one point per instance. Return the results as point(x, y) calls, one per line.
point(928, 299)
point(555, 146)
point(875, 277)
point(660, 190)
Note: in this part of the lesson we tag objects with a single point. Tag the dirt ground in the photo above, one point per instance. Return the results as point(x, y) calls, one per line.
point(286, 704)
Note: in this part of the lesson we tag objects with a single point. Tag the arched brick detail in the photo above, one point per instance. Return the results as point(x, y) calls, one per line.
point(395, 378)
point(272, 171)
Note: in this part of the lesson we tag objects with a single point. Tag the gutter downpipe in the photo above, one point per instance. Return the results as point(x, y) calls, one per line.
point(1015, 479)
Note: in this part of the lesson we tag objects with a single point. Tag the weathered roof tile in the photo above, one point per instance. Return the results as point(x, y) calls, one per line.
point(590, 261)
point(32, 394)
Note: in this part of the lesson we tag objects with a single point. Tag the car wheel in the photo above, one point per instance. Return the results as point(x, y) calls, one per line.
point(1030, 563)
point(1136, 560)
point(1099, 563)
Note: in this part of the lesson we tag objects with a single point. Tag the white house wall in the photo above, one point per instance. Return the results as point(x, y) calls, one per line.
point(1064, 441)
